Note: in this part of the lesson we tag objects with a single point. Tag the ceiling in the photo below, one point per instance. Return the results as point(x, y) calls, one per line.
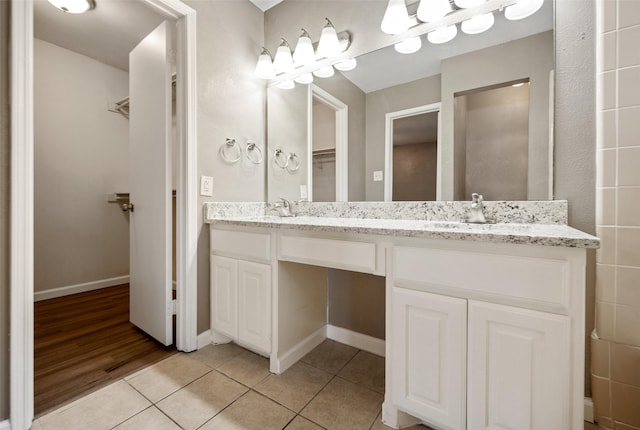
point(264, 5)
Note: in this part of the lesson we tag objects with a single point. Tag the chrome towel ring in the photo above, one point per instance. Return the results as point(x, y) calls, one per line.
point(280, 158)
point(254, 153)
point(293, 164)
point(230, 151)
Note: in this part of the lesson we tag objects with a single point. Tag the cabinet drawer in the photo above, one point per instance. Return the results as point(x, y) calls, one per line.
point(248, 245)
point(339, 254)
point(542, 280)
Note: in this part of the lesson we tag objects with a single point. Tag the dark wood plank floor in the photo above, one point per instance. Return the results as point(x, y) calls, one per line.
point(85, 341)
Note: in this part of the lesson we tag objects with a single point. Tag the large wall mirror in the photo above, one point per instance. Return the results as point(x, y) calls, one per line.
point(471, 115)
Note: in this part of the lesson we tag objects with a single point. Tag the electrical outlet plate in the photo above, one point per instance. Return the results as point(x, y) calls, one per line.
point(206, 186)
point(377, 175)
point(303, 192)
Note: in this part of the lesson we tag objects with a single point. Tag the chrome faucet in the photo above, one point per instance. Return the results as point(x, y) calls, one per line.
point(477, 209)
point(284, 207)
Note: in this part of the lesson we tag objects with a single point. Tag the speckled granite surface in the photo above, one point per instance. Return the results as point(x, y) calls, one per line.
point(516, 222)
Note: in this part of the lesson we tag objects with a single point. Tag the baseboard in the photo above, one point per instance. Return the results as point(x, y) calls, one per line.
point(5, 425)
point(79, 288)
point(358, 340)
point(204, 339)
point(588, 409)
point(301, 349)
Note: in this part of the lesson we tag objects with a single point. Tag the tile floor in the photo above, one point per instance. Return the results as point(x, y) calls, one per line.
point(228, 388)
point(225, 387)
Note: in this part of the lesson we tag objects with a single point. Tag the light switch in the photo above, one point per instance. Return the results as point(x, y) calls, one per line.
point(303, 192)
point(377, 176)
point(206, 186)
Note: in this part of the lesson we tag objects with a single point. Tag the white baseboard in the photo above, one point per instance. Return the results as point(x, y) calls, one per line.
point(79, 288)
point(204, 339)
point(588, 409)
point(301, 349)
point(358, 340)
point(5, 425)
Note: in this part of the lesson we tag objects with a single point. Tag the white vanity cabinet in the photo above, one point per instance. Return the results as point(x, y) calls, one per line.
point(240, 288)
point(485, 336)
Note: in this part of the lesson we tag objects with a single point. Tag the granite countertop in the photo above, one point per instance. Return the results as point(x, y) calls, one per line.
point(515, 233)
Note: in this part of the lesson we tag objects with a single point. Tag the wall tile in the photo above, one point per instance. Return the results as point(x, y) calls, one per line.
point(629, 90)
point(628, 286)
point(606, 168)
point(605, 284)
point(608, 15)
point(609, 51)
point(626, 326)
point(606, 254)
point(605, 320)
point(629, 207)
point(600, 388)
point(609, 90)
point(628, 247)
point(628, 52)
point(600, 357)
point(607, 129)
point(624, 401)
point(628, 13)
point(606, 206)
point(628, 130)
point(625, 364)
point(629, 160)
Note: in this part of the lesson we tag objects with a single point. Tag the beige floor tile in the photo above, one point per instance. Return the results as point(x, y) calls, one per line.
point(199, 401)
point(295, 387)
point(216, 355)
point(301, 423)
point(591, 426)
point(344, 405)
point(251, 412)
point(36, 425)
point(330, 356)
point(378, 425)
point(158, 381)
point(102, 409)
point(149, 419)
point(247, 368)
point(365, 369)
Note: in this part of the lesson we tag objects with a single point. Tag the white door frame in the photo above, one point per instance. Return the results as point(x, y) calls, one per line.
point(22, 171)
point(342, 141)
point(388, 146)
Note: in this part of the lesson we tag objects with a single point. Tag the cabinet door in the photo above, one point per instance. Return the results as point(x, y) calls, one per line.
point(518, 369)
point(428, 350)
point(224, 295)
point(254, 305)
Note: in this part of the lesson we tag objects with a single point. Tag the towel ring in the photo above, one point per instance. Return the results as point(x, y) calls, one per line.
point(252, 148)
point(230, 151)
point(293, 164)
point(280, 159)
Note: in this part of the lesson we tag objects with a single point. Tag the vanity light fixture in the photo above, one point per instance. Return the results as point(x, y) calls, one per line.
point(286, 85)
point(304, 54)
point(396, 18)
point(467, 4)
point(73, 6)
point(478, 23)
point(433, 10)
point(409, 45)
point(264, 68)
point(346, 65)
point(283, 62)
point(305, 78)
point(329, 45)
point(522, 9)
point(324, 72)
point(442, 34)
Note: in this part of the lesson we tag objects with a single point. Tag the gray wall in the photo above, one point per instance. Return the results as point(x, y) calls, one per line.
point(4, 210)
point(80, 154)
point(415, 171)
point(231, 103)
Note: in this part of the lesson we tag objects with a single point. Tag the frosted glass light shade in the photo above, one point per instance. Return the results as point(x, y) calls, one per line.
point(522, 9)
point(264, 67)
point(346, 65)
point(478, 23)
point(286, 85)
point(466, 4)
point(442, 34)
point(283, 62)
point(304, 54)
point(73, 6)
point(396, 18)
point(409, 45)
point(324, 72)
point(433, 10)
point(305, 78)
point(329, 45)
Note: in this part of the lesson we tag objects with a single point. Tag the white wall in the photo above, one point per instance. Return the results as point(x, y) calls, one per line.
point(81, 154)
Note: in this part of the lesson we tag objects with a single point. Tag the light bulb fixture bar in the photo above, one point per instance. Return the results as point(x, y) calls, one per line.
point(308, 59)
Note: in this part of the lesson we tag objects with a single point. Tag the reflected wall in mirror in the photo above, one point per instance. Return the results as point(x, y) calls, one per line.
point(386, 81)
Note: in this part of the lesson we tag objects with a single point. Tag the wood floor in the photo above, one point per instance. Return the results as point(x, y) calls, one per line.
point(85, 341)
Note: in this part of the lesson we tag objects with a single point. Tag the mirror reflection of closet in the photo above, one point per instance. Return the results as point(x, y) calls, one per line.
point(324, 152)
point(491, 141)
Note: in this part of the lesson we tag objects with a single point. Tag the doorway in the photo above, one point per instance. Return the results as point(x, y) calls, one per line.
point(22, 275)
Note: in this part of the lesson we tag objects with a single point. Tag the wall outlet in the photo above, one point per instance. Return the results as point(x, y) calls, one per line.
point(206, 186)
point(303, 192)
point(377, 176)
